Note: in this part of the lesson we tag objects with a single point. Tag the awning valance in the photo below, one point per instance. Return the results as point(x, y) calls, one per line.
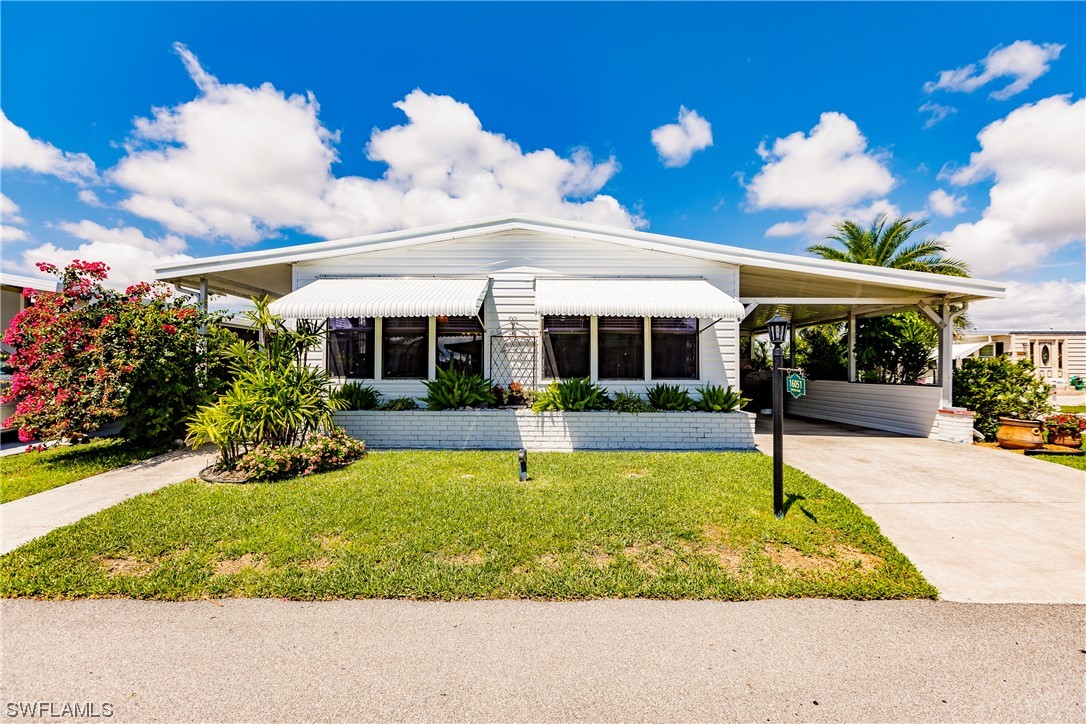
point(635, 298)
point(383, 297)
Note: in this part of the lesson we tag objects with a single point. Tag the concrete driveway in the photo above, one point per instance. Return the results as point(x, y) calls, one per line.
point(982, 525)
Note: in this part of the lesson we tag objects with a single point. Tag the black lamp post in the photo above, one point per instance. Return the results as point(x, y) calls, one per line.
point(777, 328)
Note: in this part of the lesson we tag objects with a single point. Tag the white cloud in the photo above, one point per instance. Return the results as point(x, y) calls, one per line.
point(677, 142)
point(9, 211)
point(22, 151)
point(240, 163)
point(1022, 60)
point(131, 255)
point(938, 112)
point(828, 169)
point(11, 233)
point(89, 198)
point(1029, 306)
point(1037, 204)
point(819, 223)
point(942, 203)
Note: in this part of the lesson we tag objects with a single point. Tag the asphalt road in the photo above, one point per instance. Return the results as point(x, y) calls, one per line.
point(806, 660)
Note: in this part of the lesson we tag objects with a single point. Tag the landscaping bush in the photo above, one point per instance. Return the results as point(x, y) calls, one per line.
point(356, 396)
point(631, 402)
point(454, 389)
point(997, 387)
point(399, 404)
point(276, 399)
point(822, 352)
point(320, 453)
point(577, 394)
point(717, 398)
point(894, 349)
point(670, 397)
point(88, 355)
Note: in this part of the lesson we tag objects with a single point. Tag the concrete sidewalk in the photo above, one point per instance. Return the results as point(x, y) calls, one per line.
point(982, 525)
point(33, 516)
point(509, 661)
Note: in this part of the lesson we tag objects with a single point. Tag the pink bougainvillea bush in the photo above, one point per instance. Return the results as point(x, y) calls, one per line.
point(89, 355)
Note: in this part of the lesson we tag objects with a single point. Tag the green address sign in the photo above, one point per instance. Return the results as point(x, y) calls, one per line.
point(796, 384)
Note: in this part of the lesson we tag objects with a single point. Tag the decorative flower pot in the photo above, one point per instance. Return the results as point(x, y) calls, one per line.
point(1020, 434)
point(1073, 441)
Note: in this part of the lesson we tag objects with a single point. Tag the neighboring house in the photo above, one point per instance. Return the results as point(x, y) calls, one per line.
point(530, 299)
point(12, 302)
point(1058, 356)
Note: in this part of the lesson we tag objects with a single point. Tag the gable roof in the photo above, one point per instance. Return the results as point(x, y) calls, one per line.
point(230, 269)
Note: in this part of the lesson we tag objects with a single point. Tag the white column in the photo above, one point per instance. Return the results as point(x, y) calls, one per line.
point(946, 356)
point(593, 349)
point(852, 346)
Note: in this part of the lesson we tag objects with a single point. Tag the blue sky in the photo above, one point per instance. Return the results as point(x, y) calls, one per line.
point(277, 125)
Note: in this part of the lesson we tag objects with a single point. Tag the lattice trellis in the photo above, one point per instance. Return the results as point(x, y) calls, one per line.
point(513, 354)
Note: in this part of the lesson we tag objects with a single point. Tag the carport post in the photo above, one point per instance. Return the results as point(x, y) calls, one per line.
point(946, 356)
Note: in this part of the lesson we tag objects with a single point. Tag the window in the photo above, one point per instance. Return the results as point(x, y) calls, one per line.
point(674, 348)
point(1045, 355)
point(404, 347)
point(565, 347)
point(460, 344)
point(987, 351)
point(621, 343)
point(350, 347)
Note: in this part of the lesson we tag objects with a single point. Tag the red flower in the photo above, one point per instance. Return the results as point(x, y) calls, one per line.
point(169, 329)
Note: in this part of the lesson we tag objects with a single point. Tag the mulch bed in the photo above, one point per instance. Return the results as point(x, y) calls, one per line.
point(212, 474)
point(1046, 449)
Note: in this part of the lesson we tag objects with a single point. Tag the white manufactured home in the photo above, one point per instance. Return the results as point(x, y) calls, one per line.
point(531, 299)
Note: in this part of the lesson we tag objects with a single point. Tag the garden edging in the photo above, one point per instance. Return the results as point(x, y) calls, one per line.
point(556, 431)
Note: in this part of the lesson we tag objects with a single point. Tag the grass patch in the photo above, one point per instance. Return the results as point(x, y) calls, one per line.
point(456, 525)
point(1073, 409)
point(28, 473)
point(1071, 461)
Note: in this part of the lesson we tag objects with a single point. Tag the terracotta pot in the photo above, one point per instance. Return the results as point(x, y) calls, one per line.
point(1072, 441)
point(1020, 434)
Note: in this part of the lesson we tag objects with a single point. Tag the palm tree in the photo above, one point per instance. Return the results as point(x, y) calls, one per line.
point(888, 245)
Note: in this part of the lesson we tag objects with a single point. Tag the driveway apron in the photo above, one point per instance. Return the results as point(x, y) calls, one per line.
point(983, 525)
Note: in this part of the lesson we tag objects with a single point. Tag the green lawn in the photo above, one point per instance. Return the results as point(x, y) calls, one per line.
point(28, 473)
point(1073, 409)
point(1070, 461)
point(452, 525)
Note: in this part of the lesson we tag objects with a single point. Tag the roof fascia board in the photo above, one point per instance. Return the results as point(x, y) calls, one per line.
point(638, 239)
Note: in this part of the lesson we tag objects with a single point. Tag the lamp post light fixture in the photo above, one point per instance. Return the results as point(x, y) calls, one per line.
point(777, 328)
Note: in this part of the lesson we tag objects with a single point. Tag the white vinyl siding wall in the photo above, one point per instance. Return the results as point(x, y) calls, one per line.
point(513, 261)
point(905, 409)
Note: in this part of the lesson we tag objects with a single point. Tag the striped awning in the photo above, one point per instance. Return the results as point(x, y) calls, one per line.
point(635, 298)
point(383, 297)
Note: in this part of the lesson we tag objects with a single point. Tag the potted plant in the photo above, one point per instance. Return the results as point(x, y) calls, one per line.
point(1020, 423)
point(1065, 430)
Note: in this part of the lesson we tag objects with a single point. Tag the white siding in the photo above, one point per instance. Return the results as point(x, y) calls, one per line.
point(905, 409)
point(514, 260)
point(1075, 350)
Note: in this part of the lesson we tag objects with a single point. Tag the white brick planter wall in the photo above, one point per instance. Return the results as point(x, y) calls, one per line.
point(564, 431)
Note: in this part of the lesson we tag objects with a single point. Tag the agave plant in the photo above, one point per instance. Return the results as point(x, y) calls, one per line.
point(717, 398)
point(670, 397)
point(453, 389)
point(577, 394)
point(357, 396)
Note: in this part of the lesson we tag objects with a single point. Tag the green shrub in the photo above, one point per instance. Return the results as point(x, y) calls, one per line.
point(670, 397)
point(576, 394)
point(319, 453)
point(632, 402)
point(997, 387)
point(454, 389)
point(717, 398)
point(399, 404)
point(276, 397)
point(822, 352)
point(356, 396)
